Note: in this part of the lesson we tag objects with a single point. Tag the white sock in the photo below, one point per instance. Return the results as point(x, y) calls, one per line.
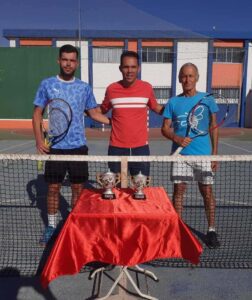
point(211, 228)
point(52, 220)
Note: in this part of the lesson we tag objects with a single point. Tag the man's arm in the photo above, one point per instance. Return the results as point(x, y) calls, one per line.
point(214, 135)
point(99, 110)
point(95, 114)
point(159, 109)
point(37, 130)
point(168, 132)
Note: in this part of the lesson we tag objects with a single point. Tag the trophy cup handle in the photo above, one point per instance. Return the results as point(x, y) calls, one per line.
point(131, 178)
point(98, 179)
point(117, 179)
point(148, 180)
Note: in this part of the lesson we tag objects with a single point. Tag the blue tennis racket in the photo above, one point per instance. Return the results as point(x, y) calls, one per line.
point(59, 115)
point(199, 118)
point(57, 118)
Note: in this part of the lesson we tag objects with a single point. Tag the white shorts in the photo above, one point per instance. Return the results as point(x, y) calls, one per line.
point(192, 171)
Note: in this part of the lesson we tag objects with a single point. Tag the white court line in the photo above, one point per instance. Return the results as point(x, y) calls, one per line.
point(231, 202)
point(16, 146)
point(236, 147)
point(222, 200)
point(200, 201)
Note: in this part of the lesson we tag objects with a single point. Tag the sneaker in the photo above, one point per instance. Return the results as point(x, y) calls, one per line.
point(48, 233)
point(212, 241)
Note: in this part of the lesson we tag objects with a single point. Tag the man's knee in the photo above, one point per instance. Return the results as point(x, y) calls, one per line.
point(53, 189)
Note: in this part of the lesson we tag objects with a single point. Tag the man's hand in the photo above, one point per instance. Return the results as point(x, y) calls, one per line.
point(214, 165)
point(41, 146)
point(168, 132)
point(182, 141)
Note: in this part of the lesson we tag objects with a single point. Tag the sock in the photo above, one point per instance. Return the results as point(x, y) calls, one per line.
point(52, 220)
point(211, 228)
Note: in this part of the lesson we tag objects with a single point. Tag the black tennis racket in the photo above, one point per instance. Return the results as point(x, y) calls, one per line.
point(57, 118)
point(198, 119)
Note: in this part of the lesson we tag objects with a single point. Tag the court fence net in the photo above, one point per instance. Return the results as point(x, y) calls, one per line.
point(23, 211)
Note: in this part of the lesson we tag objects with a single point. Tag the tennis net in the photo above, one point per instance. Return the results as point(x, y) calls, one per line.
point(23, 207)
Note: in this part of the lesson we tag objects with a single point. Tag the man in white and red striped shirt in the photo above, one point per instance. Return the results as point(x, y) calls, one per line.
point(130, 99)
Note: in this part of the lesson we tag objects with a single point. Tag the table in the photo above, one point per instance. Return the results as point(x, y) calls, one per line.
point(124, 232)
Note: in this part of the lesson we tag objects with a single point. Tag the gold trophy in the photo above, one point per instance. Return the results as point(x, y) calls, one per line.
point(139, 182)
point(108, 181)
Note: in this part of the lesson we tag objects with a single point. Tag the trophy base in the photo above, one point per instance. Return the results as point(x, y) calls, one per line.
point(108, 196)
point(139, 196)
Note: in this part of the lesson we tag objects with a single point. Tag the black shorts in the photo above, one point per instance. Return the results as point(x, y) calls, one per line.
point(55, 171)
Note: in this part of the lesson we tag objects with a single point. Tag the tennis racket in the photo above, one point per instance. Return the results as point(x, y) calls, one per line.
point(40, 162)
point(57, 118)
point(198, 119)
point(59, 115)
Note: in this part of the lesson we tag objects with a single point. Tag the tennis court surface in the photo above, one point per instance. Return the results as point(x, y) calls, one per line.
point(223, 272)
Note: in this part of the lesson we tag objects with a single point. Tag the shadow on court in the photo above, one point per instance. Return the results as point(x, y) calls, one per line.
point(15, 284)
point(37, 191)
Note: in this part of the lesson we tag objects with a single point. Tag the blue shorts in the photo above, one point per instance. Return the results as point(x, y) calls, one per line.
point(134, 167)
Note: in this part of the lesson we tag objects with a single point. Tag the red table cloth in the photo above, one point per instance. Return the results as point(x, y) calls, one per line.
point(122, 232)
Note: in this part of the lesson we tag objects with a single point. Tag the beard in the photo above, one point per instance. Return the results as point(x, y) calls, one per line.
point(67, 75)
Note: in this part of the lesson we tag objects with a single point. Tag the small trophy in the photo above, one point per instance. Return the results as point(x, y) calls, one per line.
point(139, 181)
point(108, 181)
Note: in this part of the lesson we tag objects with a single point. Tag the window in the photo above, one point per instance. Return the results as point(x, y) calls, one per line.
point(233, 55)
point(157, 54)
point(107, 54)
point(162, 94)
point(232, 94)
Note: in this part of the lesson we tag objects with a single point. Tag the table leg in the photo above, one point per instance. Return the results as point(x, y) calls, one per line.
point(124, 275)
point(112, 287)
point(146, 272)
point(98, 272)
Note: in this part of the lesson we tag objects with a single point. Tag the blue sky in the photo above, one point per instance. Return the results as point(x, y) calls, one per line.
point(225, 15)
point(195, 15)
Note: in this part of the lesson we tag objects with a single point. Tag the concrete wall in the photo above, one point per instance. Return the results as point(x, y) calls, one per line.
point(248, 112)
point(157, 74)
point(103, 75)
point(196, 53)
point(12, 43)
point(249, 73)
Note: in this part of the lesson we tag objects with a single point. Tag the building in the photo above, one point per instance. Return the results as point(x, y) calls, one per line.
point(224, 59)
